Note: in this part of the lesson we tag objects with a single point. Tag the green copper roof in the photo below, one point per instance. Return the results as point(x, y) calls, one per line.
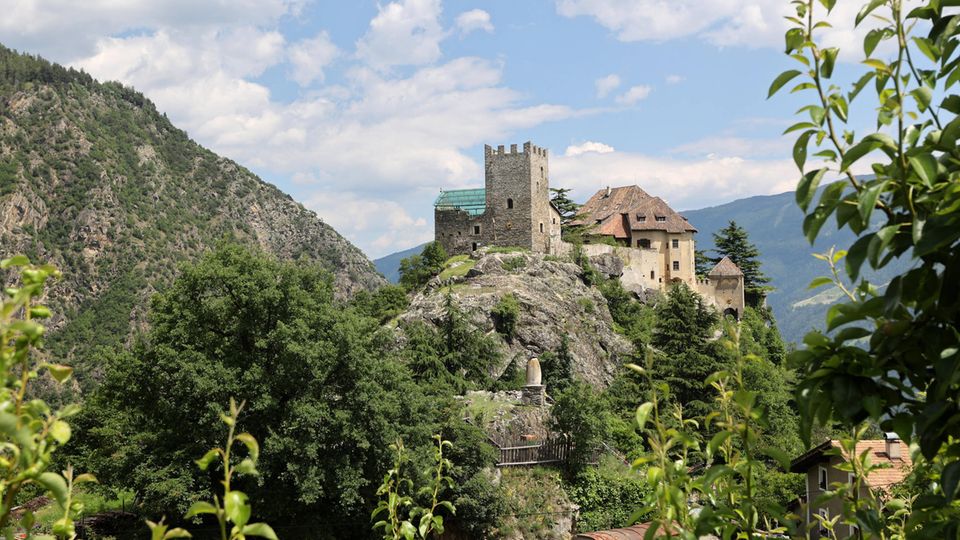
point(471, 201)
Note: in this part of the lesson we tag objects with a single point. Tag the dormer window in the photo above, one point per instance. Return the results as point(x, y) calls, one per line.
point(641, 218)
point(661, 218)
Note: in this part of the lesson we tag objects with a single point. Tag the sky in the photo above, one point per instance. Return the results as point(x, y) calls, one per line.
point(363, 111)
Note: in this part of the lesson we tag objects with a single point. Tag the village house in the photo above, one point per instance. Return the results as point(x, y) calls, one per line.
point(820, 467)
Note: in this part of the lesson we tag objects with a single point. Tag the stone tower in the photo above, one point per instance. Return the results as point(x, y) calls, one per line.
point(518, 211)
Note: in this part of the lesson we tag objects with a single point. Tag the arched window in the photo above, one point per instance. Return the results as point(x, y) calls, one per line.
point(541, 227)
point(509, 203)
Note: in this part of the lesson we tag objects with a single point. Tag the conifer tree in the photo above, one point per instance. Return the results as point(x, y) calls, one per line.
point(732, 241)
point(566, 206)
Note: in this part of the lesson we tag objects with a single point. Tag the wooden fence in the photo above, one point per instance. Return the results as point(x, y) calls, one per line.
point(553, 450)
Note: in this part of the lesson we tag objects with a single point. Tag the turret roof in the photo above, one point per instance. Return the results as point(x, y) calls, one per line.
point(726, 267)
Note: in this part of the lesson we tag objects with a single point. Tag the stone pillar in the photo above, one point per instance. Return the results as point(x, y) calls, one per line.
point(534, 391)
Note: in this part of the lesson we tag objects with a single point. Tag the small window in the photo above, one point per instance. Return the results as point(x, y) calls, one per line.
point(643, 243)
point(676, 265)
point(474, 246)
point(661, 218)
point(476, 229)
point(554, 221)
point(509, 203)
point(641, 218)
point(822, 479)
point(651, 275)
point(541, 227)
point(675, 243)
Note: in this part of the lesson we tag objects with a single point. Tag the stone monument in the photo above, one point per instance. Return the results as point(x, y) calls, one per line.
point(534, 391)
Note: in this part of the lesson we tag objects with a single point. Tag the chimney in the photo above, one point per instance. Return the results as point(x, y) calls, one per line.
point(608, 192)
point(893, 445)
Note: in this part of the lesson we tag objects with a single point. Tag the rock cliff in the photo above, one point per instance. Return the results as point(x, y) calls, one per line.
point(553, 301)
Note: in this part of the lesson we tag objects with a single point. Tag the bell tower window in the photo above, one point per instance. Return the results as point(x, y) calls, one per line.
point(509, 203)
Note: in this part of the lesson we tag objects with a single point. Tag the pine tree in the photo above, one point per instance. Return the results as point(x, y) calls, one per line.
point(563, 203)
point(732, 241)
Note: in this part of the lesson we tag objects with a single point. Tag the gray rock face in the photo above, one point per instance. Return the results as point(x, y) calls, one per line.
point(608, 264)
point(553, 301)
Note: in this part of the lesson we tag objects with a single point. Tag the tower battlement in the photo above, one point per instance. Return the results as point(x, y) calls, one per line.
point(500, 150)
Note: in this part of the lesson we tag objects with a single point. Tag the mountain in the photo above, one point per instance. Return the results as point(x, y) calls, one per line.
point(389, 265)
point(774, 223)
point(96, 181)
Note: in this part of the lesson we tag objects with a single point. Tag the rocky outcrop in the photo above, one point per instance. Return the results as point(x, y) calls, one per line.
point(553, 301)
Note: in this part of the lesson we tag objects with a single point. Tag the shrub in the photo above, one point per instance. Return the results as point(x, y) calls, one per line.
point(506, 314)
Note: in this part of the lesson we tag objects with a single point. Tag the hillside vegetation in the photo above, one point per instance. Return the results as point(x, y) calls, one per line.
point(96, 181)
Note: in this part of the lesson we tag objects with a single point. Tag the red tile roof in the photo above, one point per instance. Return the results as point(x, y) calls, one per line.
point(630, 208)
point(882, 478)
point(725, 267)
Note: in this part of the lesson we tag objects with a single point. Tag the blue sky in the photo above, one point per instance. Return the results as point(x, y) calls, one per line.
point(364, 110)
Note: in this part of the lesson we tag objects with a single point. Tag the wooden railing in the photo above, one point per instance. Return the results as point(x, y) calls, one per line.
point(553, 450)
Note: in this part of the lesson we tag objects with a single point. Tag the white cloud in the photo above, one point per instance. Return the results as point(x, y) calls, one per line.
point(407, 32)
point(310, 56)
point(634, 94)
point(684, 183)
point(68, 30)
point(588, 146)
point(475, 19)
point(674, 79)
point(386, 222)
point(748, 23)
point(607, 84)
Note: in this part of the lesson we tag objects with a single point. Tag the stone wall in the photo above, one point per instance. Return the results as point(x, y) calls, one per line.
point(724, 293)
point(641, 267)
point(455, 230)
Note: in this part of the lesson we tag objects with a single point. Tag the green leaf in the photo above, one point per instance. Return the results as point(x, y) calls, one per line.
point(807, 187)
point(867, 199)
point(950, 480)
point(408, 531)
point(857, 151)
point(177, 533)
point(927, 48)
point(820, 282)
point(200, 507)
point(951, 103)
point(861, 82)
point(643, 412)
point(40, 312)
point(800, 148)
point(16, 260)
point(856, 254)
point(829, 59)
point(251, 444)
point(59, 372)
point(60, 431)
point(867, 9)
point(781, 457)
point(925, 165)
point(922, 95)
point(207, 458)
point(237, 507)
point(878, 65)
point(794, 39)
point(57, 486)
point(259, 529)
point(246, 467)
point(781, 80)
point(871, 40)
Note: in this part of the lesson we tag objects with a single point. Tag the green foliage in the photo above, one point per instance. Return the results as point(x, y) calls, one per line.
point(234, 507)
point(732, 241)
point(325, 395)
point(416, 270)
point(30, 431)
point(702, 263)
point(514, 263)
point(565, 205)
point(505, 314)
point(607, 497)
point(889, 355)
point(556, 367)
point(455, 355)
point(383, 304)
point(633, 319)
point(402, 518)
point(581, 414)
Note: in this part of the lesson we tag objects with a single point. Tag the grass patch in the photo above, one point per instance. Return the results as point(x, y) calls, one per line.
point(514, 263)
point(507, 249)
point(457, 267)
point(483, 409)
point(94, 502)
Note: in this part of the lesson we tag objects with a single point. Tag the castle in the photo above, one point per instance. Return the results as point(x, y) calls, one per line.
point(655, 244)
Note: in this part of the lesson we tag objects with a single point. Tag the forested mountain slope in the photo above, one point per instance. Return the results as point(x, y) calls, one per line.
point(96, 181)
